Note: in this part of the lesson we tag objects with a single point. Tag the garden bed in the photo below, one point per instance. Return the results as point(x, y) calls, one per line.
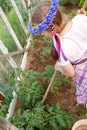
point(65, 95)
point(60, 110)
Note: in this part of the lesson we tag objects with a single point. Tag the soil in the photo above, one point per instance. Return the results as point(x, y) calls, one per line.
point(66, 94)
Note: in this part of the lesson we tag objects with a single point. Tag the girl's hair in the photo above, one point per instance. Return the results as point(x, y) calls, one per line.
point(41, 11)
point(39, 15)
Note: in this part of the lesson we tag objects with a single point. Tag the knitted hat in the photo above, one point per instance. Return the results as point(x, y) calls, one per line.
point(47, 21)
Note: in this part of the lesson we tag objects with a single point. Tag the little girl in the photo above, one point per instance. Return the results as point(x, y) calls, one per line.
point(69, 42)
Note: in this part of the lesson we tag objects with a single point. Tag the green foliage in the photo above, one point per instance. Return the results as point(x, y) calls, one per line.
point(17, 27)
point(58, 82)
point(6, 38)
point(74, 3)
point(33, 114)
point(47, 73)
point(43, 117)
point(30, 90)
point(6, 5)
point(58, 118)
point(14, 22)
point(33, 4)
point(31, 118)
point(68, 2)
point(81, 3)
point(22, 11)
point(46, 48)
point(8, 97)
point(73, 14)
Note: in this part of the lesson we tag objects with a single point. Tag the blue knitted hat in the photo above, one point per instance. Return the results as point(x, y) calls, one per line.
point(47, 21)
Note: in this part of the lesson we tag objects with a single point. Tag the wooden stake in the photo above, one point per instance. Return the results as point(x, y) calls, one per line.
point(13, 53)
point(84, 5)
point(49, 86)
point(4, 70)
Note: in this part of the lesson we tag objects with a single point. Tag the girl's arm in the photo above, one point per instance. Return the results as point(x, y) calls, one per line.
point(66, 70)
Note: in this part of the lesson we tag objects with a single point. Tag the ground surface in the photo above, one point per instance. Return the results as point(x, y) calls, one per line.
point(66, 94)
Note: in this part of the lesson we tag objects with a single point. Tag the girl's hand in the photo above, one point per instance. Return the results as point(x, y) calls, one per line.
point(66, 70)
point(81, 11)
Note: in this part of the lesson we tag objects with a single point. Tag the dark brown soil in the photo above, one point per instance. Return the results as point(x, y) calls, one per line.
point(66, 94)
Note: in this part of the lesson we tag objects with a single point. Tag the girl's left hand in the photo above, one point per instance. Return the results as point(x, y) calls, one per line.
point(66, 70)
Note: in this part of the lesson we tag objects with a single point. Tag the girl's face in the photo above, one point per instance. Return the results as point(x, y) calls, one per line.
point(47, 34)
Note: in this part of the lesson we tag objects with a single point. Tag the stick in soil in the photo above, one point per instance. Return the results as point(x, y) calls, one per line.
point(49, 86)
point(84, 5)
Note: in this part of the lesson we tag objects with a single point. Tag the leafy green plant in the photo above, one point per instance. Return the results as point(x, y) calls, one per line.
point(73, 14)
point(17, 27)
point(30, 90)
point(43, 117)
point(59, 80)
point(6, 38)
point(81, 3)
point(5, 105)
point(46, 48)
point(6, 5)
point(59, 118)
point(22, 11)
point(33, 5)
point(33, 114)
point(74, 3)
point(30, 118)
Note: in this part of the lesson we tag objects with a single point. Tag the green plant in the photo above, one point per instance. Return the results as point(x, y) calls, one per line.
point(73, 14)
point(30, 90)
point(58, 118)
point(22, 11)
point(30, 118)
point(74, 3)
point(17, 27)
point(81, 3)
point(33, 114)
point(59, 80)
point(6, 38)
point(46, 48)
point(43, 117)
point(8, 97)
point(6, 5)
point(15, 24)
point(33, 5)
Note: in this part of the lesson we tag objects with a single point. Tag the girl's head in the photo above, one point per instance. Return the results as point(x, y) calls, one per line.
point(39, 15)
